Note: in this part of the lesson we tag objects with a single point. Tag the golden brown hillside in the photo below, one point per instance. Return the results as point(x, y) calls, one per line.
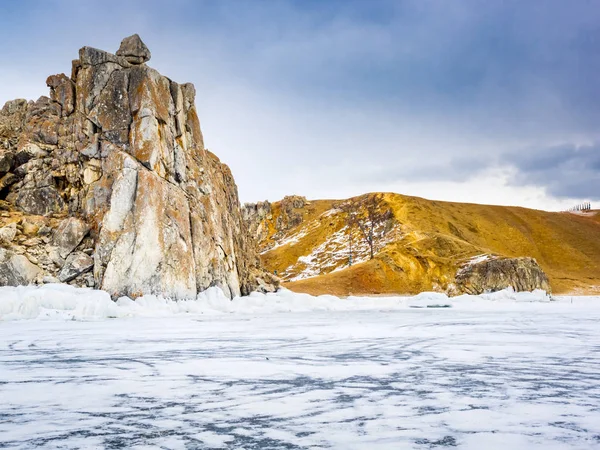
point(422, 245)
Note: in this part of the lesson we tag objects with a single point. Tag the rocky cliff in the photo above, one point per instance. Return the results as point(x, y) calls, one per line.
point(107, 183)
point(423, 245)
point(269, 225)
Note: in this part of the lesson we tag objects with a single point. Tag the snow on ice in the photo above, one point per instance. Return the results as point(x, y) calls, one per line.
point(291, 371)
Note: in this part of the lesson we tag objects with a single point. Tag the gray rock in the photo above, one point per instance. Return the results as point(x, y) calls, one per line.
point(44, 230)
point(32, 259)
point(93, 148)
point(8, 180)
point(497, 273)
point(62, 90)
point(8, 233)
point(54, 257)
point(17, 249)
point(134, 50)
point(76, 264)
point(16, 269)
point(31, 242)
point(68, 235)
point(89, 56)
point(40, 201)
point(7, 162)
point(26, 153)
point(50, 279)
point(89, 280)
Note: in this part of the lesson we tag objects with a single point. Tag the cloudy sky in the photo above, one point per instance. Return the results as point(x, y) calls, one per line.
point(484, 101)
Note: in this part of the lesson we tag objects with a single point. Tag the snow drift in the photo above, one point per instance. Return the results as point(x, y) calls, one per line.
point(64, 302)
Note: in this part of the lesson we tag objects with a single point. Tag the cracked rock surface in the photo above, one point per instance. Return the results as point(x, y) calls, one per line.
point(111, 168)
point(496, 273)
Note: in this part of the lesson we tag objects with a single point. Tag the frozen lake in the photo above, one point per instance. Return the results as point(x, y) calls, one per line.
point(505, 376)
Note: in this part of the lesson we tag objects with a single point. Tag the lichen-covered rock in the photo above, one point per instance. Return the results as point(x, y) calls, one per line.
point(291, 212)
point(16, 269)
point(62, 91)
point(496, 273)
point(76, 264)
point(8, 233)
point(31, 225)
point(255, 216)
point(7, 161)
point(68, 235)
point(134, 50)
point(114, 163)
point(290, 215)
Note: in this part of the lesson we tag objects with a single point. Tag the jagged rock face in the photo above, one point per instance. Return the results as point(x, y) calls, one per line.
point(255, 216)
point(496, 273)
point(290, 216)
point(113, 164)
point(258, 215)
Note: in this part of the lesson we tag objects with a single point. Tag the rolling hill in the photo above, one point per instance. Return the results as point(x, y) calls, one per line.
point(420, 245)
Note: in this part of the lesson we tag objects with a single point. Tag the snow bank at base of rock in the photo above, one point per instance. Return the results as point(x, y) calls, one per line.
point(64, 302)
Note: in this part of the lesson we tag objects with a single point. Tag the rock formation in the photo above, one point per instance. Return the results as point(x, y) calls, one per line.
point(255, 216)
point(497, 273)
point(107, 183)
point(259, 218)
point(419, 245)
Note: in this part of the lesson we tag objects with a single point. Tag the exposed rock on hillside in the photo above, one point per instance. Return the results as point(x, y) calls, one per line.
point(107, 183)
point(256, 216)
point(263, 224)
point(291, 212)
point(333, 241)
point(427, 245)
point(492, 274)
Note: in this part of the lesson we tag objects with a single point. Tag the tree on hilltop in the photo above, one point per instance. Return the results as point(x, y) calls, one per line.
point(367, 214)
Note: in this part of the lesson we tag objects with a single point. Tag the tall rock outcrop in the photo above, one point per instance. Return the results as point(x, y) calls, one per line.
point(262, 218)
point(110, 185)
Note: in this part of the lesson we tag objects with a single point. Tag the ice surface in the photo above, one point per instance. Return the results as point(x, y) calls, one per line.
point(499, 371)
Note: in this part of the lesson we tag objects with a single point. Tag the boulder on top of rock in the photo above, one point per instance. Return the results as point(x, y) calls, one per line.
point(134, 50)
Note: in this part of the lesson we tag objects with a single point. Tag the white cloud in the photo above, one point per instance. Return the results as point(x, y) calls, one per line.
point(329, 104)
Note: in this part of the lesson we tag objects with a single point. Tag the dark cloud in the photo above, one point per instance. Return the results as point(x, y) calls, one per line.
point(568, 170)
point(330, 97)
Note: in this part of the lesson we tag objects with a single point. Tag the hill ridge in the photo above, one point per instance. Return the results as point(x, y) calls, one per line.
point(427, 244)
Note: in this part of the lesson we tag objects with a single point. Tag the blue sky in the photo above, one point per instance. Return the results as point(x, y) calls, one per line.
point(469, 100)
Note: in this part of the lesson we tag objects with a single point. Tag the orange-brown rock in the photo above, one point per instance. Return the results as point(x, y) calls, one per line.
point(114, 160)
